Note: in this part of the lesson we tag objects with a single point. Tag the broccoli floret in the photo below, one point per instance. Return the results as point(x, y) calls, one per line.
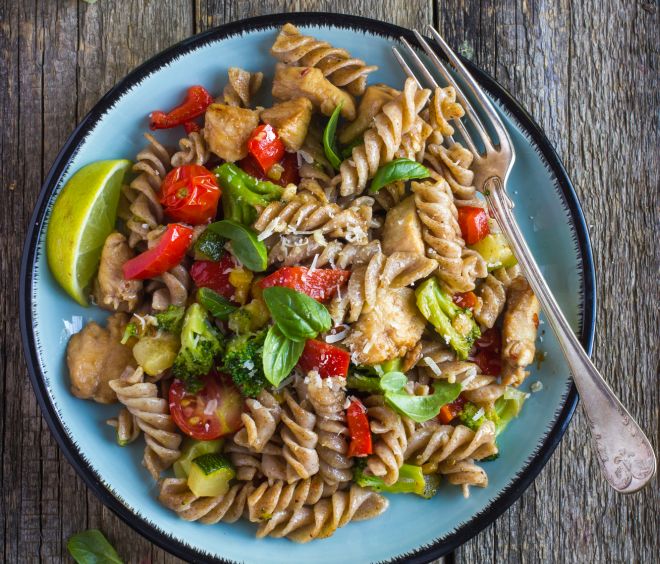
point(468, 414)
point(210, 246)
point(131, 330)
point(506, 408)
point(171, 319)
point(249, 318)
point(242, 192)
point(455, 325)
point(411, 480)
point(243, 361)
point(200, 344)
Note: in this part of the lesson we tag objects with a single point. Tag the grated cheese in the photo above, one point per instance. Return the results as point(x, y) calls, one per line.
point(312, 267)
point(478, 414)
point(74, 326)
point(319, 239)
point(367, 347)
point(210, 407)
point(433, 365)
point(335, 338)
point(536, 386)
point(466, 381)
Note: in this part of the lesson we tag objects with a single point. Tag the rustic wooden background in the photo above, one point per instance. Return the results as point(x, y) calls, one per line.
point(586, 70)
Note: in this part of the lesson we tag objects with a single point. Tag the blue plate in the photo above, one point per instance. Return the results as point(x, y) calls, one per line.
point(412, 528)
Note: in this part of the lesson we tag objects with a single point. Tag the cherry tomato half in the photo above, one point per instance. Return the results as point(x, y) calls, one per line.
point(486, 352)
point(320, 283)
point(169, 252)
point(326, 359)
point(466, 300)
point(190, 193)
point(212, 412)
point(474, 223)
point(289, 173)
point(214, 275)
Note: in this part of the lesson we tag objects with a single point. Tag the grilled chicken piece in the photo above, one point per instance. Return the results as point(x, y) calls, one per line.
point(227, 130)
point(291, 119)
point(95, 356)
point(375, 97)
point(111, 290)
point(403, 230)
point(519, 326)
point(389, 330)
point(241, 87)
point(309, 82)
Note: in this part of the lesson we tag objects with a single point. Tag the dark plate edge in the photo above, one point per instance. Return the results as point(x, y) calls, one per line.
point(534, 465)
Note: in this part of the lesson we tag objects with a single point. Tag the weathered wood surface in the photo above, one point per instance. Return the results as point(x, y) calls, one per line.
point(587, 71)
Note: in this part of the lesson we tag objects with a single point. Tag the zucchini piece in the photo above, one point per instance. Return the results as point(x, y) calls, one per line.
point(210, 475)
point(495, 250)
point(191, 450)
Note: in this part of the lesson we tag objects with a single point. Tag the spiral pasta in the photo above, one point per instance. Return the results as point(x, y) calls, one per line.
point(241, 86)
point(152, 416)
point(126, 427)
point(327, 397)
point(299, 440)
point(170, 288)
point(383, 139)
point(491, 298)
point(193, 150)
point(459, 267)
point(337, 65)
point(443, 108)
point(453, 164)
point(322, 519)
point(175, 494)
point(248, 464)
point(260, 423)
point(464, 473)
point(141, 209)
point(390, 440)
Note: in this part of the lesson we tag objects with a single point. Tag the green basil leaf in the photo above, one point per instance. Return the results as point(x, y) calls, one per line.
point(244, 243)
point(398, 169)
point(91, 547)
point(347, 151)
point(393, 381)
point(280, 355)
point(298, 316)
point(218, 306)
point(423, 408)
point(329, 141)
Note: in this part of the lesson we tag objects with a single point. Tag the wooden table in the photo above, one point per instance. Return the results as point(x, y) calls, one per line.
point(586, 70)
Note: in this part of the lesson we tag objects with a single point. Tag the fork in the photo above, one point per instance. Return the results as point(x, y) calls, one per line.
point(624, 452)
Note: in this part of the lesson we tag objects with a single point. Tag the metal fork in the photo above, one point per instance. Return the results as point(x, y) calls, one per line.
point(625, 454)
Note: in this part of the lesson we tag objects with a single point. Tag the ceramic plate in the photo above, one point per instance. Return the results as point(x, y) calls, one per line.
point(412, 528)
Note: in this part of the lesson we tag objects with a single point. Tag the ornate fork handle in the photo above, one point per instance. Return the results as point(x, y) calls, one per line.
point(624, 452)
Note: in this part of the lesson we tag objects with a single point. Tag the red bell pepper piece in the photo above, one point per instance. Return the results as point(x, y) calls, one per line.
point(190, 193)
point(195, 104)
point(358, 427)
point(487, 351)
point(169, 252)
point(289, 175)
point(474, 223)
point(214, 275)
point(320, 283)
point(326, 359)
point(466, 300)
point(451, 410)
point(192, 127)
point(265, 146)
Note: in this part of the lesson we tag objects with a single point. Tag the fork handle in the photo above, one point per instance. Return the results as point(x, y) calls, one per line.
point(624, 452)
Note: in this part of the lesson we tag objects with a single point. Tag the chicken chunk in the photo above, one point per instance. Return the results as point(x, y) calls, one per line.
point(387, 331)
point(227, 130)
point(309, 82)
point(111, 290)
point(375, 97)
point(291, 119)
point(519, 326)
point(95, 356)
point(403, 230)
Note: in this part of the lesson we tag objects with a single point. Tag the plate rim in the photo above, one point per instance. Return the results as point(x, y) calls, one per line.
point(534, 465)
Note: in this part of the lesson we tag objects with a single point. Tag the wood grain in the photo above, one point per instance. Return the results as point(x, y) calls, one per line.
point(588, 73)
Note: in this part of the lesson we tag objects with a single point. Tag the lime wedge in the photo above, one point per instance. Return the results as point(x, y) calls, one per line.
point(83, 216)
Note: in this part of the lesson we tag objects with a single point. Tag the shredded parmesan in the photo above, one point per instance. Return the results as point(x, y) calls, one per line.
point(210, 407)
point(466, 381)
point(312, 267)
point(319, 239)
point(536, 387)
point(367, 347)
point(271, 228)
point(337, 336)
point(478, 414)
point(432, 364)
point(72, 327)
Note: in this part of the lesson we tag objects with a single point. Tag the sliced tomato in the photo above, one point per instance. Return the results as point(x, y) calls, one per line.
point(326, 359)
point(214, 275)
point(289, 174)
point(487, 351)
point(190, 193)
point(169, 252)
point(212, 412)
point(320, 283)
point(450, 411)
point(265, 146)
point(466, 300)
point(358, 428)
point(474, 223)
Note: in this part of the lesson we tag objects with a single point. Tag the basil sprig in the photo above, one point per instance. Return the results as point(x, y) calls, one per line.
point(329, 141)
point(280, 355)
point(218, 306)
point(398, 169)
point(244, 243)
point(91, 547)
point(298, 316)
